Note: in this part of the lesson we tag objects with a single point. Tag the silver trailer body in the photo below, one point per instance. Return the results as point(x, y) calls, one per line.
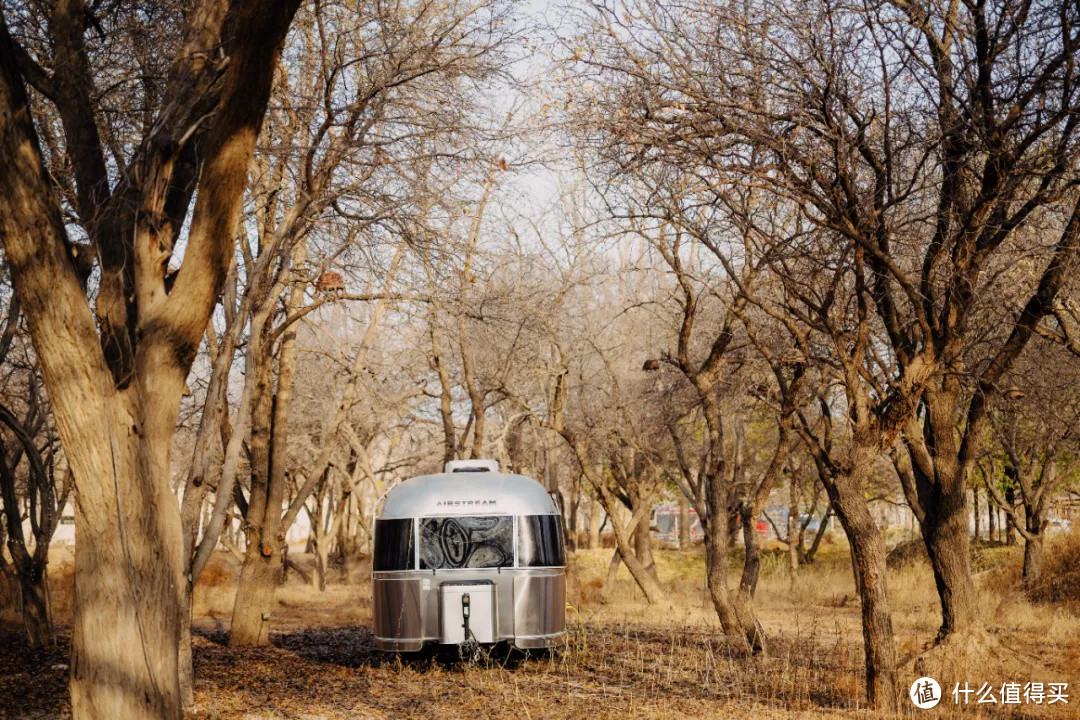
point(470, 542)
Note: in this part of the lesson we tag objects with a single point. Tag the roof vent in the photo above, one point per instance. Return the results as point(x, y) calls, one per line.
point(471, 466)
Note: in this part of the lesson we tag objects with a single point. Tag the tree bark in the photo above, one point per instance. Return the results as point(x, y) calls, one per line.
point(28, 570)
point(1009, 526)
point(612, 575)
point(941, 507)
point(752, 555)
point(127, 571)
point(269, 462)
point(322, 554)
point(260, 573)
point(744, 598)
point(947, 539)
point(1033, 557)
point(35, 605)
point(643, 546)
point(571, 517)
point(823, 528)
point(596, 519)
point(991, 521)
point(868, 562)
point(793, 530)
point(186, 669)
point(975, 507)
point(259, 578)
point(685, 542)
point(716, 565)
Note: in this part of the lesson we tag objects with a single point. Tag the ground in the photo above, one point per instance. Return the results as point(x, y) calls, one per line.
point(623, 659)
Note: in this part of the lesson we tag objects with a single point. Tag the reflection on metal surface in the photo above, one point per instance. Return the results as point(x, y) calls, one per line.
point(397, 614)
point(463, 493)
point(539, 605)
point(466, 542)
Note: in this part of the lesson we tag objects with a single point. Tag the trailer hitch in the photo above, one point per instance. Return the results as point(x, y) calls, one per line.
point(469, 649)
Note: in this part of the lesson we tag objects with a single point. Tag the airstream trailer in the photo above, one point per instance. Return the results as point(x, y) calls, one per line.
point(467, 557)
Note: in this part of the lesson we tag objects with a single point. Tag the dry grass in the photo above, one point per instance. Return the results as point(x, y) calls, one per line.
point(622, 659)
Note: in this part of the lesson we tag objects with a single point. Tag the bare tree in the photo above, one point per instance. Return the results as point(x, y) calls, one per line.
point(920, 192)
point(115, 394)
point(1034, 429)
point(33, 487)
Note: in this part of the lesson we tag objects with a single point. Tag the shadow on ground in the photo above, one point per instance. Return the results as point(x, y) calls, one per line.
point(354, 647)
point(33, 681)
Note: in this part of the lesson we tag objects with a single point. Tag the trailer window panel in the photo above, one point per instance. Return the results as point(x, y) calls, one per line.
point(475, 542)
point(540, 541)
point(394, 545)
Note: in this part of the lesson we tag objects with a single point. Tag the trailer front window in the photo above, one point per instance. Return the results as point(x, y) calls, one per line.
point(466, 542)
point(393, 545)
point(540, 542)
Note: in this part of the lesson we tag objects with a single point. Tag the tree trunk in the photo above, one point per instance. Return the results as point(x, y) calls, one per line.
point(1010, 531)
point(269, 459)
point(643, 547)
point(1033, 557)
point(596, 519)
point(35, 604)
point(991, 521)
point(975, 508)
point(186, 668)
point(716, 565)
point(259, 575)
point(823, 529)
point(127, 593)
point(571, 517)
point(115, 395)
point(685, 542)
point(1033, 540)
point(262, 562)
point(445, 397)
point(624, 536)
point(868, 562)
point(321, 552)
point(941, 488)
point(321, 559)
point(318, 542)
point(9, 590)
point(644, 579)
point(752, 555)
point(744, 598)
point(255, 592)
point(608, 590)
point(118, 442)
point(345, 535)
point(945, 533)
point(792, 531)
